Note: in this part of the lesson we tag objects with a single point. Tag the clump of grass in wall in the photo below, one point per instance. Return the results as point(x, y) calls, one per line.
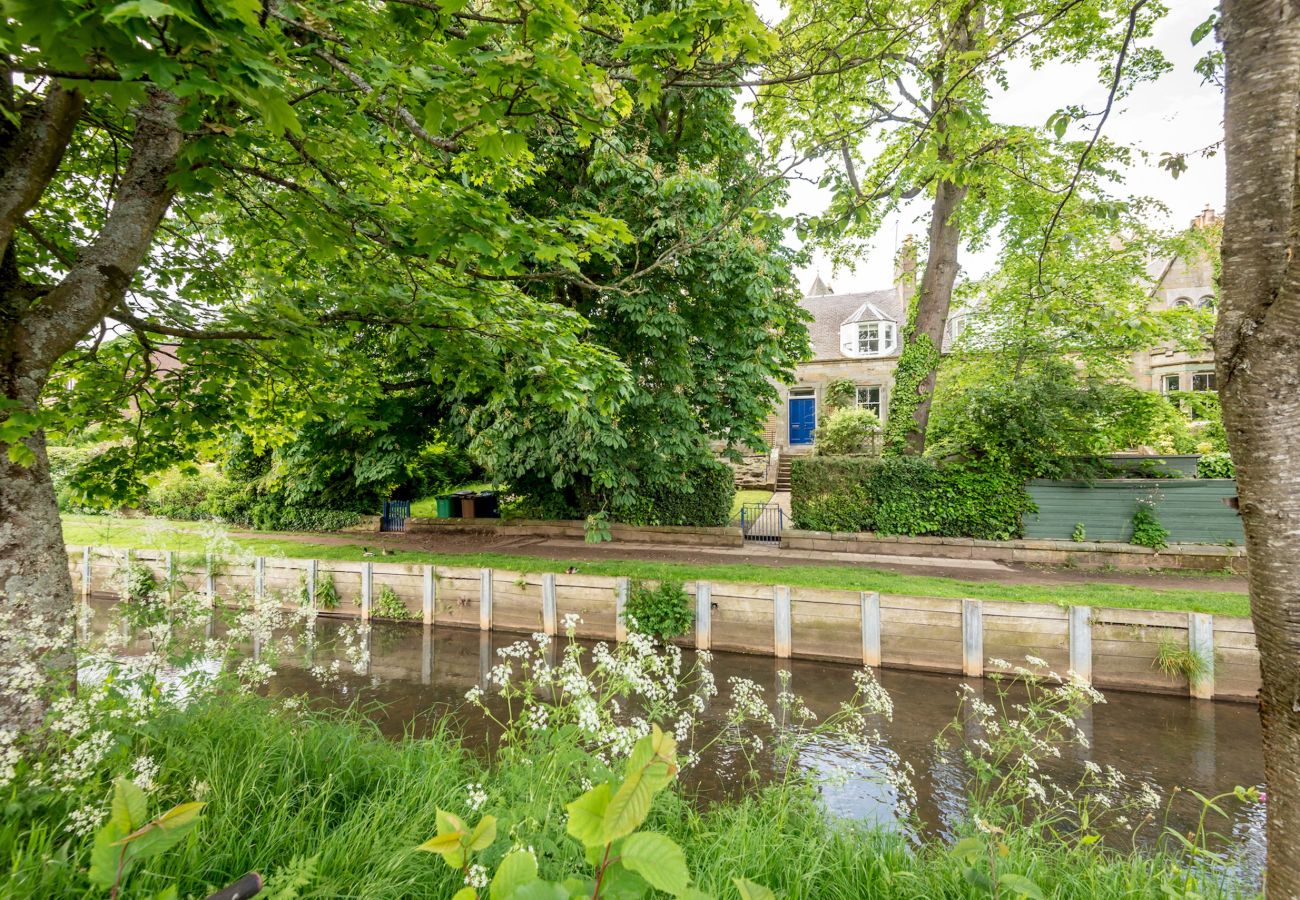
point(388, 605)
point(1080, 534)
point(1174, 659)
point(663, 610)
point(1147, 529)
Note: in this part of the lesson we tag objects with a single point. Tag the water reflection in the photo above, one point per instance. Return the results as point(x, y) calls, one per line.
point(415, 675)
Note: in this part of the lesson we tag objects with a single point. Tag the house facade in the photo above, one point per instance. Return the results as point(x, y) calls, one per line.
point(855, 337)
point(1180, 282)
point(858, 337)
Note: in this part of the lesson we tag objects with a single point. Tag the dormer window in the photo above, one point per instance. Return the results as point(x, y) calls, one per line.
point(868, 338)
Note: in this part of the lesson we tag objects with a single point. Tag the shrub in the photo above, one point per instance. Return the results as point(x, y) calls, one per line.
point(1147, 529)
point(64, 465)
point(390, 606)
point(1216, 465)
point(184, 496)
point(662, 611)
point(906, 495)
point(847, 431)
point(701, 496)
point(841, 394)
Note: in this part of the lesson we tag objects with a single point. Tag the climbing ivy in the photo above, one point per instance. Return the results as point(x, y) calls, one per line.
point(919, 358)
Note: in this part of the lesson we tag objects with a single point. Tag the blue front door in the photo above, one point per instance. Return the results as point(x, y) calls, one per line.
point(803, 419)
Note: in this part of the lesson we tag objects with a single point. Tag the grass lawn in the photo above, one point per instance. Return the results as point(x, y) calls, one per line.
point(743, 497)
point(158, 534)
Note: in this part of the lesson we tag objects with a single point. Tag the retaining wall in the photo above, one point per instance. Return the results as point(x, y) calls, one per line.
point(1114, 648)
point(576, 530)
point(1084, 554)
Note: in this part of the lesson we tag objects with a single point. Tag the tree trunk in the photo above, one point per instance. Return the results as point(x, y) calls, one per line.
point(36, 601)
point(1257, 344)
point(40, 323)
point(932, 305)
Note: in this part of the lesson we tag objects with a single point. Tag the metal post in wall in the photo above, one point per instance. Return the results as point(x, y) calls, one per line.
point(870, 613)
point(1080, 621)
point(781, 622)
point(703, 615)
point(621, 589)
point(972, 638)
point(550, 622)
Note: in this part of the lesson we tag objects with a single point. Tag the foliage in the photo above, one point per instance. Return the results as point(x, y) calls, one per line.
point(919, 359)
point(345, 240)
point(662, 611)
point(327, 595)
point(698, 496)
point(1147, 529)
point(1050, 422)
point(841, 394)
point(130, 836)
point(1079, 534)
point(1216, 465)
point(904, 495)
point(847, 431)
point(136, 582)
point(1175, 659)
point(387, 605)
point(625, 861)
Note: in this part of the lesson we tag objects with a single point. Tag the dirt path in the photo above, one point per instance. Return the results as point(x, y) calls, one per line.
point(968, 570)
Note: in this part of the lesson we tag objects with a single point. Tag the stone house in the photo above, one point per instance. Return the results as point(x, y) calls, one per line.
point(1180, 282)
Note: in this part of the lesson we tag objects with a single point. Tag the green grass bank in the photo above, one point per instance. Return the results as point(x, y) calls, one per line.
point(159, 535)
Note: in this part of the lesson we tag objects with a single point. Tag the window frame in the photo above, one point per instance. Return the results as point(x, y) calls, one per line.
point(1209, 379)
point(886, 337)
point(878, 406)
point(1164, 382)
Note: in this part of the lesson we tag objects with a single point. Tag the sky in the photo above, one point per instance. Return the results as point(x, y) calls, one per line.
point(1175, 113)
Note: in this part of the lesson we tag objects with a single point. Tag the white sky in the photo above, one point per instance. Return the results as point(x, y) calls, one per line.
point(1176, 113)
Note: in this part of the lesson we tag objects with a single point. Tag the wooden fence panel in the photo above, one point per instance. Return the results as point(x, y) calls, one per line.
point(1236, 659)
point(458, 592)
point(921, 633)
point(742, 618)
point(404, 580)
point(590, 597)
point(1013, 631)
point(516, 602)
point(826, 624)
point(1125, 644)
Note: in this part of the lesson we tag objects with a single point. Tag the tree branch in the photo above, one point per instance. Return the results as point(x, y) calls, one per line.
point(35, 156)
point(126, 317)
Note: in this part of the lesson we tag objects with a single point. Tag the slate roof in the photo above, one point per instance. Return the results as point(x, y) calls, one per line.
point(830, 311)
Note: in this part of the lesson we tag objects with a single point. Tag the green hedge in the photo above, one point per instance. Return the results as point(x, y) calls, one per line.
point(906, 495)
point(701, 497)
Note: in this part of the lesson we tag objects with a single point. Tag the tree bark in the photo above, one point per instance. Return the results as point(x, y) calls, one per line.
point(1257, 344)
point(38, 325)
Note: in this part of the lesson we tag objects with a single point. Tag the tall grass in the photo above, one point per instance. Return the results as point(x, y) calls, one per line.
point(323, 800)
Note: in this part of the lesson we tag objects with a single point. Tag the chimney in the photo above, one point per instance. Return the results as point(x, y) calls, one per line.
point(1207, 217)
point(819, 288)
point(905, 270)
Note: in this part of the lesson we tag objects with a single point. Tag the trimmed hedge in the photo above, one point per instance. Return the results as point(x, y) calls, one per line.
point(906, 495)
point(701, 498)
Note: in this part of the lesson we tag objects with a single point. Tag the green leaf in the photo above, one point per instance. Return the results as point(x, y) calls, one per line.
point(749, 890)
point(539, 890)
point(1021, 886)
point(106, 853)
point(658, 860)
point(130, 806)
point(587, 816)
point(968, 849)
point(627, 808)
point(484, 833)
point(518, 868)
point(140, 9)
point(465, 893)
